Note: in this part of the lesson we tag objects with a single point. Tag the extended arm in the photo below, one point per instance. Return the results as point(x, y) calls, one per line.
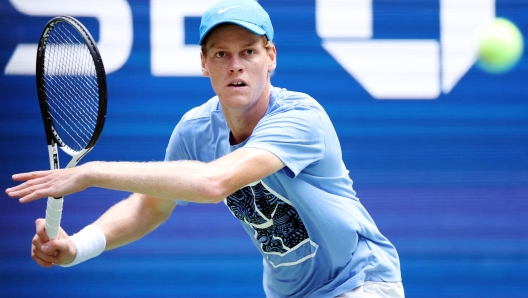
point(184, 180)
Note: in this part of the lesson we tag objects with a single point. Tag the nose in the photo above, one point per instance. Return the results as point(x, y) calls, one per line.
point(236, 64)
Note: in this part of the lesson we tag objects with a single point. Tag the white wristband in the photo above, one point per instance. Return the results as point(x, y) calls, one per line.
point(90, 242)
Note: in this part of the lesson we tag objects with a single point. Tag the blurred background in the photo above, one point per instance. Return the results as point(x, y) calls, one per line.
point(437, 148)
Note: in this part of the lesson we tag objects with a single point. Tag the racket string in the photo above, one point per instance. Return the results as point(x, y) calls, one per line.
point(71, 87)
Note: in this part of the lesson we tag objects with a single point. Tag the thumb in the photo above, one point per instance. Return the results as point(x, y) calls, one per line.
point(52, 247)
point(63, 248)
point(40, 225)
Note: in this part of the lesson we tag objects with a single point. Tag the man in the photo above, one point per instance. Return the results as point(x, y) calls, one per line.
point(271, 155)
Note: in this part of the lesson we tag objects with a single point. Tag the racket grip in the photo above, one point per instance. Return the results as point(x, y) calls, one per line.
point(53, 216)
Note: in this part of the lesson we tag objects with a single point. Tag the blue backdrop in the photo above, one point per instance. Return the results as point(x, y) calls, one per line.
point(445, 176)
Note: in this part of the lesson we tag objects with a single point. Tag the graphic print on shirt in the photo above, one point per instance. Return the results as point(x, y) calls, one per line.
point(276, 224)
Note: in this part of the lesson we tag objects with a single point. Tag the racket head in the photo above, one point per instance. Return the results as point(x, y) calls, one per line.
point(71, 85)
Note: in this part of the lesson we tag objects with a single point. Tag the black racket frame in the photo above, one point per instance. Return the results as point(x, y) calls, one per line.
point(52, 136)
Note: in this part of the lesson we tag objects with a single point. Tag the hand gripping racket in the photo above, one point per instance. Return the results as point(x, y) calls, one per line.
point(71, 85)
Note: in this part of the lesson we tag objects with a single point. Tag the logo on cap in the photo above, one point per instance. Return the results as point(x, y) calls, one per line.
point(222, 10)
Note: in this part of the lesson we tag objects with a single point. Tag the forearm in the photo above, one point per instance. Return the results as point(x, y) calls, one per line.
point(184, 180)
point(133, 218)
point(191, 181)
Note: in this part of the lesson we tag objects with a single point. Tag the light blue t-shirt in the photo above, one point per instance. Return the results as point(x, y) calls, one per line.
point(316, 238)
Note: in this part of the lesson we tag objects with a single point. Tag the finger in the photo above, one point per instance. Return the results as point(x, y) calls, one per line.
point(29, 178)
point(32, 193)
point(15, 190)
point(40, 225)
point(41, 253)
point(47, 251)
point(39, 194)
point(48, 256)
point(42, 248)
point(29, 175)
point(34, 182)
point(21, 189)
point(39, 261)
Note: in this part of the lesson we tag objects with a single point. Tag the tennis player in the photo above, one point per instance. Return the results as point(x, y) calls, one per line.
point(271, 155)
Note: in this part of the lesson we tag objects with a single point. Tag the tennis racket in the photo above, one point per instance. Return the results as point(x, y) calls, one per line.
point(71, 86)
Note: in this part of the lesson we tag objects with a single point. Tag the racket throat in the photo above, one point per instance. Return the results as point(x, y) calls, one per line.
point(53, 156)
point(77, 156)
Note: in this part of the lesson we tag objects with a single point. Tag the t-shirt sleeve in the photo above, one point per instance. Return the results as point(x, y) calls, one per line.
point(296, 136)
point(176, 148)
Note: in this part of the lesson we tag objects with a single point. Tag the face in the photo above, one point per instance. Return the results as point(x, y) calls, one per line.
point(239, 66)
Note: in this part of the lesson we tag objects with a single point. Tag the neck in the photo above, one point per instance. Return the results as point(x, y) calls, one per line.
point(241, 122)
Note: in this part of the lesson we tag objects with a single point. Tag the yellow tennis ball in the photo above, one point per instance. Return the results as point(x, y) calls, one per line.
point(500, 46)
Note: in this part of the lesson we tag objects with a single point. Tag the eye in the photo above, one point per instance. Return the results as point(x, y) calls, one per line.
point(220, 54)
point(250, 52)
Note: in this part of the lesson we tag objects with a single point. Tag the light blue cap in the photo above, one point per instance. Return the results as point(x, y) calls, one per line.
point(246, 13)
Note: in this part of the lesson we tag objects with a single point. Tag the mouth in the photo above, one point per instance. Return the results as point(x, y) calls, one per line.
point(237, 84)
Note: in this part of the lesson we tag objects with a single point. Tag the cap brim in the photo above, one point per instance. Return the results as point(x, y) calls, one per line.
point(251, 27)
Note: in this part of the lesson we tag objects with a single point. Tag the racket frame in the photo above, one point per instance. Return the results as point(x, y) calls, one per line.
point(53, 139)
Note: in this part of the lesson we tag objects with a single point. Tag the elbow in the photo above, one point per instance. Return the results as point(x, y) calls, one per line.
point(214, 194)
point(163, 216)
point(216, 189)
point(157, 211)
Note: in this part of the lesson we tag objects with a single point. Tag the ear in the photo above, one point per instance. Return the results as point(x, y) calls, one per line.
point(272, 56)
point(205, 72)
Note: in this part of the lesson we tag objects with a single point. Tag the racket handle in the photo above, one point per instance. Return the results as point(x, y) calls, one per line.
point(53, 216)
